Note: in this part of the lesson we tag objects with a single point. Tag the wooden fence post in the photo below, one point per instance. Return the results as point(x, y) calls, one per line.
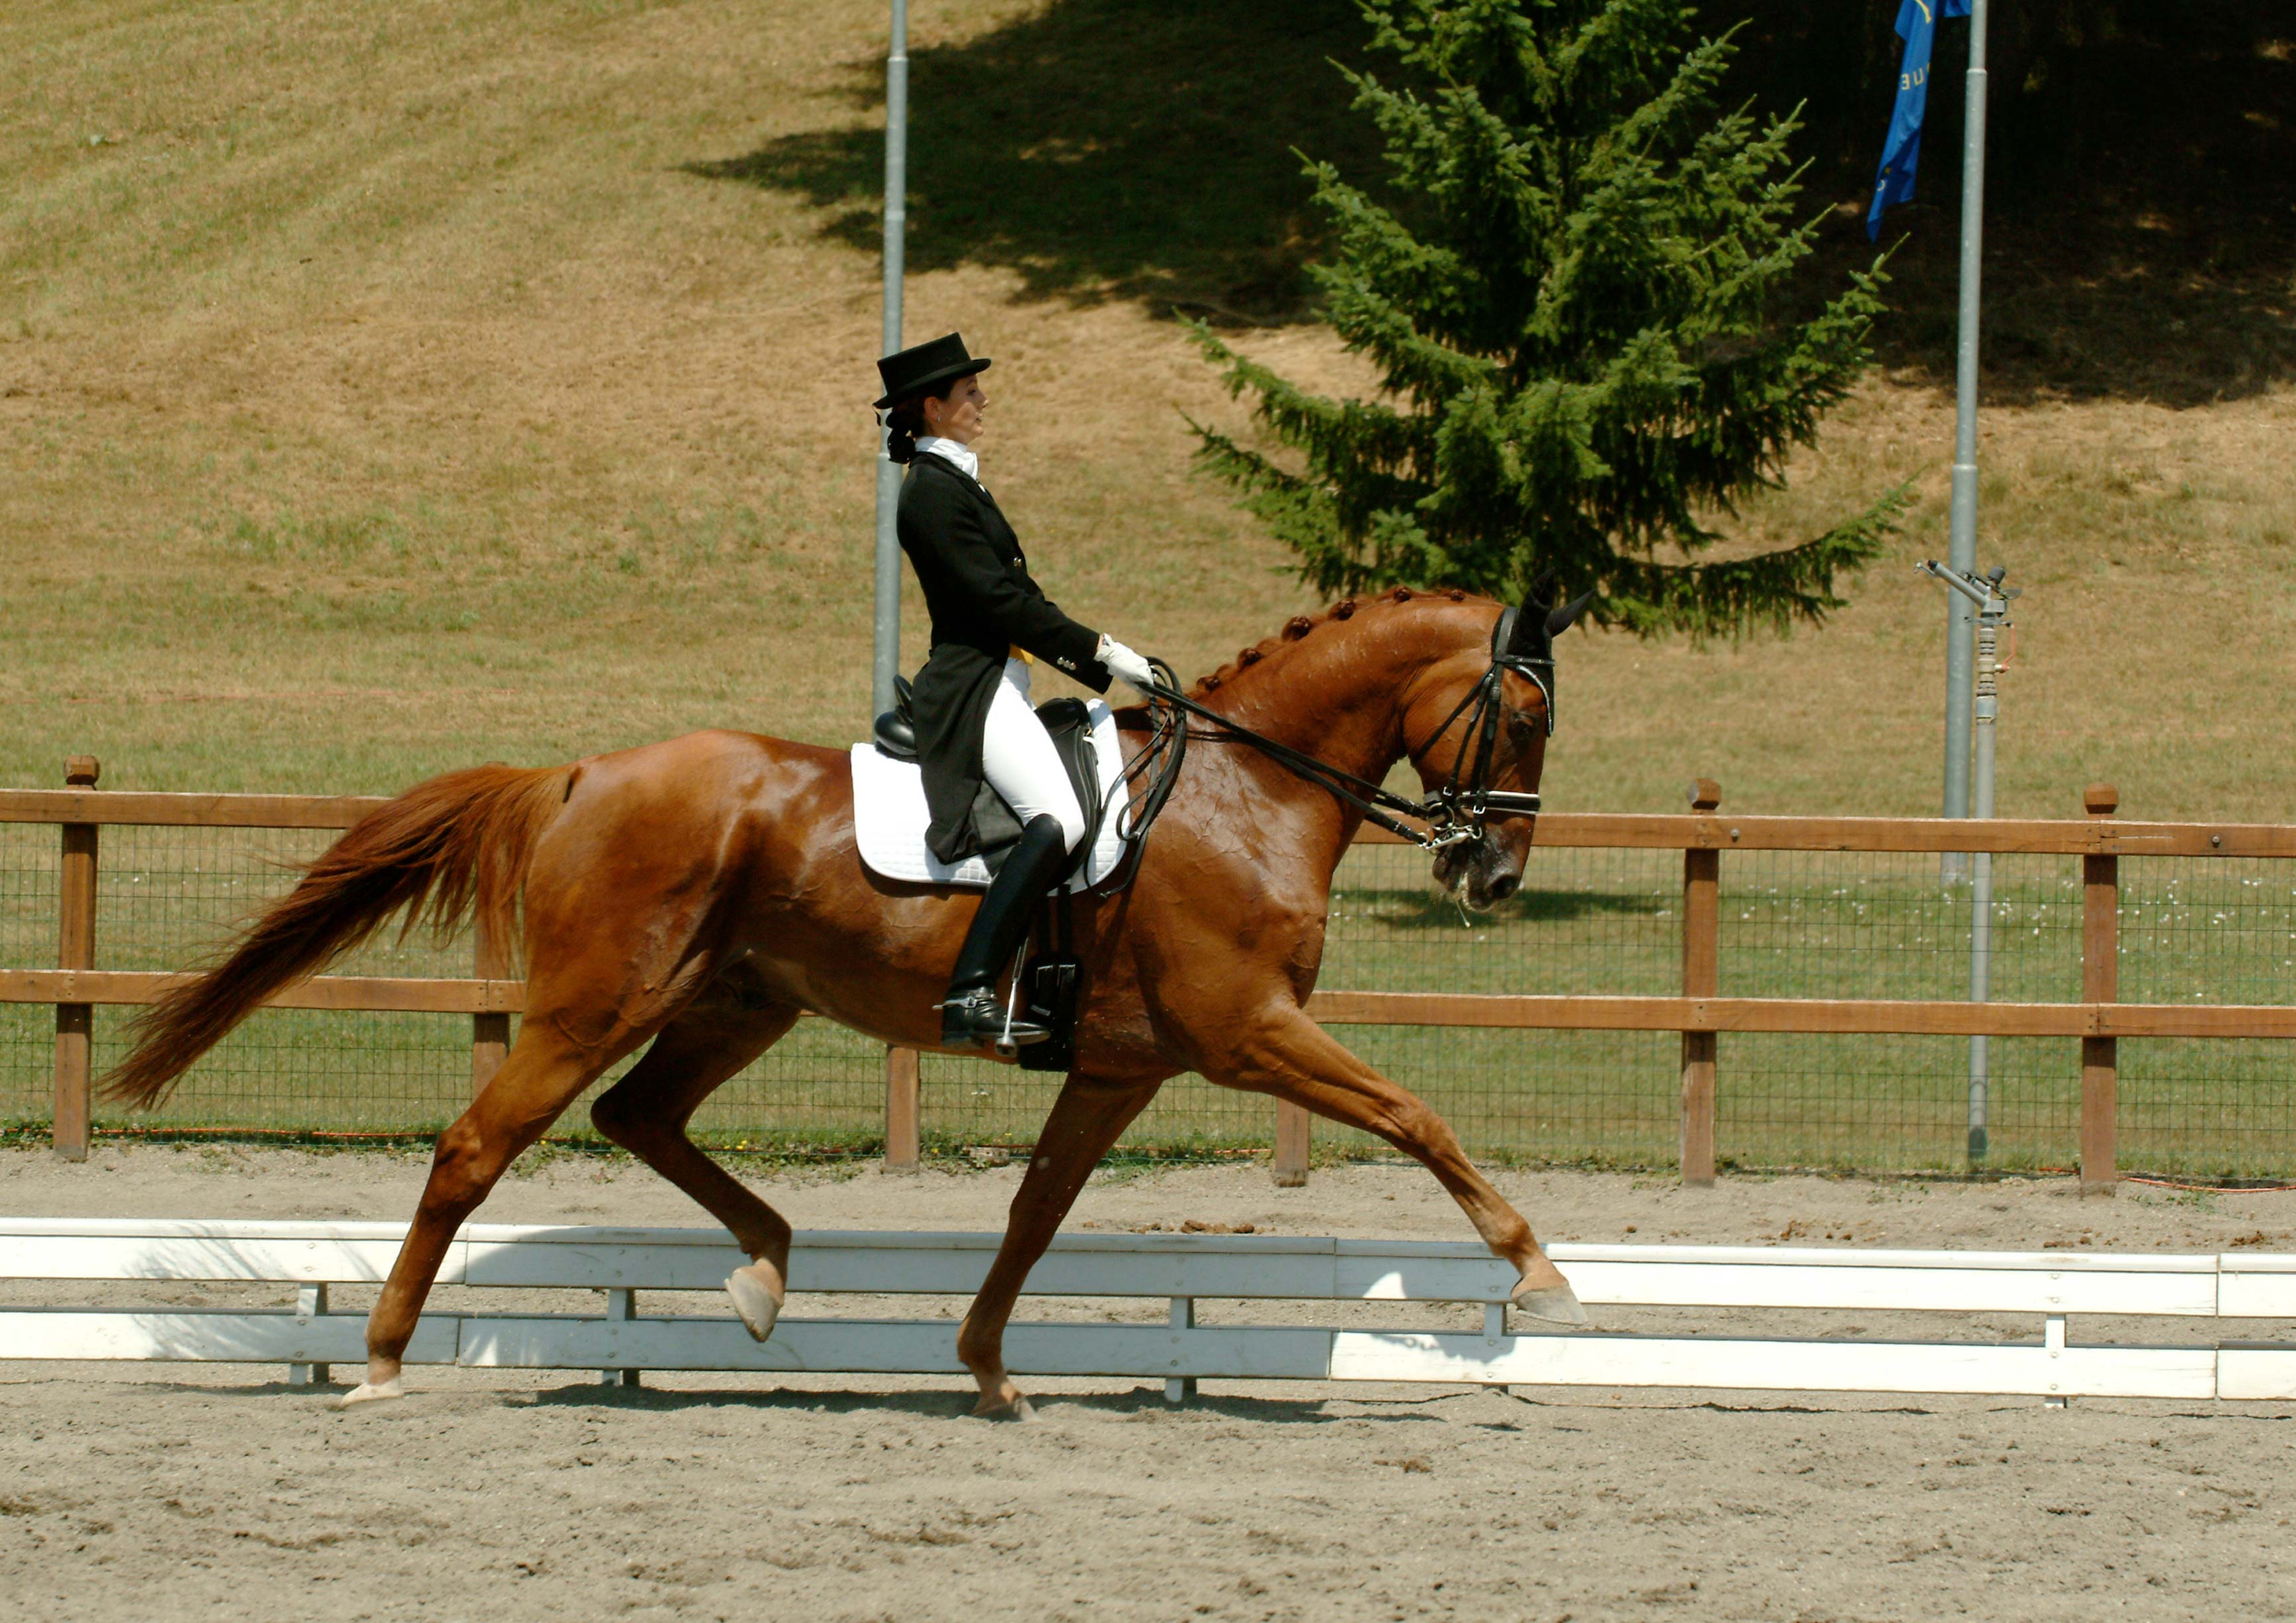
point(2100, 1124)
point(903, 1133)
point(75, 950)
point(1702, 977)
point(489, 1033)
point(1291, 1136)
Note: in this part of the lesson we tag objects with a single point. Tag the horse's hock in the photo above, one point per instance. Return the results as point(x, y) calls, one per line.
point(2198, 938)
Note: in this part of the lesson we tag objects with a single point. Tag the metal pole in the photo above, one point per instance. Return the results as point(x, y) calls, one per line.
point(1962, 538)
point(1990, 599)
point(887, 651)
point(1981, 890)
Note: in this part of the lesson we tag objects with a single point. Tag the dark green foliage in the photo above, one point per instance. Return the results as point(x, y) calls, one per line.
point(1569, 288)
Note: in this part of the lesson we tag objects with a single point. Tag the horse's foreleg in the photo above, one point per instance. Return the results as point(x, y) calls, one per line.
point(1285, 1054)
point(1088, 1117)
point(646, 1112)
point(539, 1078)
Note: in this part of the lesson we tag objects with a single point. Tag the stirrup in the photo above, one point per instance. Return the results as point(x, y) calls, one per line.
point(976, 1019)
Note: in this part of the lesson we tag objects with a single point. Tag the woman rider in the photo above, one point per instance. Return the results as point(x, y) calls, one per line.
point(974, 723)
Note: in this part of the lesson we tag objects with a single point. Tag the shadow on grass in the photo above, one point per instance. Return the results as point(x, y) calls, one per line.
point(1104, 149)
point(1417, 909)
point(2143, 164)
point(2140, 171)
point(2075, 310)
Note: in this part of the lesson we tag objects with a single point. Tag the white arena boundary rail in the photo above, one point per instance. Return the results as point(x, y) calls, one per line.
point(1182, 1268)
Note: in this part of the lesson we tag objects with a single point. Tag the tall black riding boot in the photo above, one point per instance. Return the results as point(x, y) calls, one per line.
point(972, 1018)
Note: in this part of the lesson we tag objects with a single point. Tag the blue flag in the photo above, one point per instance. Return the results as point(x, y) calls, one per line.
point(1917, 26)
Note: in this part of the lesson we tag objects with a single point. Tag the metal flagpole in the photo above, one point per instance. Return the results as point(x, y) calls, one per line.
point(1961, 555)
point(888, 660)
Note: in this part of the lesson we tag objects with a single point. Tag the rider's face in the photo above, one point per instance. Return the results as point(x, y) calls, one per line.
point(958, 416)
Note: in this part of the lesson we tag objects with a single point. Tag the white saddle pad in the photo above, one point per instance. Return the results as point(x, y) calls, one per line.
point(890, 816)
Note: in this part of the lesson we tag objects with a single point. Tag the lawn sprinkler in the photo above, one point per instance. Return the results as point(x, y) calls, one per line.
point(1992, 603)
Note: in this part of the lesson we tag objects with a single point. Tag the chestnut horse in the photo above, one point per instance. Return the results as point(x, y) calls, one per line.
point(703, 891)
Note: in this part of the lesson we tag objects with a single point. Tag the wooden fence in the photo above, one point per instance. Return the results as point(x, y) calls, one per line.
point(1698, 1014)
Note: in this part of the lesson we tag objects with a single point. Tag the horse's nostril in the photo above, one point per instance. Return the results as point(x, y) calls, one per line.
point(1503, 887)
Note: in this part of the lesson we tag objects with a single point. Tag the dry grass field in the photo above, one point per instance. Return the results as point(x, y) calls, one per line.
point(385, 388)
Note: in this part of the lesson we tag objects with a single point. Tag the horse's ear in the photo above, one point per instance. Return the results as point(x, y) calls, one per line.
point(1528, 641)
point(1559, 620)
point(1543, 591)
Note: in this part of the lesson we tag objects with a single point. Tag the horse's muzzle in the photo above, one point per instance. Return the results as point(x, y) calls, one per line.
point(1479, 873)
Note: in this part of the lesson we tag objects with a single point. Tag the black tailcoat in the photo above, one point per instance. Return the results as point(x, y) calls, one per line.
point(983, 603)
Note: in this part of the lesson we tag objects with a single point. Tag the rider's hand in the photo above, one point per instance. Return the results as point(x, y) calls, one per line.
point(1125, 665)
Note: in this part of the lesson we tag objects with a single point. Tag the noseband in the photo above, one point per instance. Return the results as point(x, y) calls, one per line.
point(1455, 813)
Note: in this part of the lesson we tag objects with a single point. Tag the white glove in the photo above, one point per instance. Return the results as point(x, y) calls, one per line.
point(1125, 665)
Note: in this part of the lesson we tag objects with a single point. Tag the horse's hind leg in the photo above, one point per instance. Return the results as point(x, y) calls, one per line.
point(647, 1110)
point(543, 1073)
point(1284, 1052)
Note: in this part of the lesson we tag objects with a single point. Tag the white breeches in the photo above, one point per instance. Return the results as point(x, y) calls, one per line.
point(1018, 759)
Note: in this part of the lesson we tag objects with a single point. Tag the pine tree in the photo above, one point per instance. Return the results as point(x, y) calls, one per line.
point(1567, 288)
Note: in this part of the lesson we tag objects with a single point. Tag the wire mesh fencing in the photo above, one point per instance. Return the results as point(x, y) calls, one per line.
point(1587, 921)
point(2205, 930)
point(1883, 924)
point(29, 895)
point(168, 897)
point(1584, 921)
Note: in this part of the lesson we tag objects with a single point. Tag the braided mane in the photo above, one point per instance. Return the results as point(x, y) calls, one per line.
point(1299, 626)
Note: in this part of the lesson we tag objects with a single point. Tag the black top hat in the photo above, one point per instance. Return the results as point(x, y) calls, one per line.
point(914, 370)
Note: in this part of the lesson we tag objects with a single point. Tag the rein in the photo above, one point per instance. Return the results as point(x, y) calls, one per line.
point(1455, 813)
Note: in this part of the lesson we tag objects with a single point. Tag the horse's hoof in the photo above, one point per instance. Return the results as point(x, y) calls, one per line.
point(1019, 1408)
point(1554, 1304)
point(758, 1302)
point(371, 1391)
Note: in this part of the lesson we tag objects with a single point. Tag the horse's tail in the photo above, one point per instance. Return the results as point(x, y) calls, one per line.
point(455, 844)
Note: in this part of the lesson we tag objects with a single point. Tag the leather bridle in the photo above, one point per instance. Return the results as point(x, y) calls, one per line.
point(1457, 810)
point(1455, 814)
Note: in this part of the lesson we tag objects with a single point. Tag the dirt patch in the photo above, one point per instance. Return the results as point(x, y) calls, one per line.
point(129, 1492)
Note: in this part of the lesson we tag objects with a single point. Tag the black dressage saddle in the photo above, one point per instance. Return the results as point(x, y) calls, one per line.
point(1070, 723)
